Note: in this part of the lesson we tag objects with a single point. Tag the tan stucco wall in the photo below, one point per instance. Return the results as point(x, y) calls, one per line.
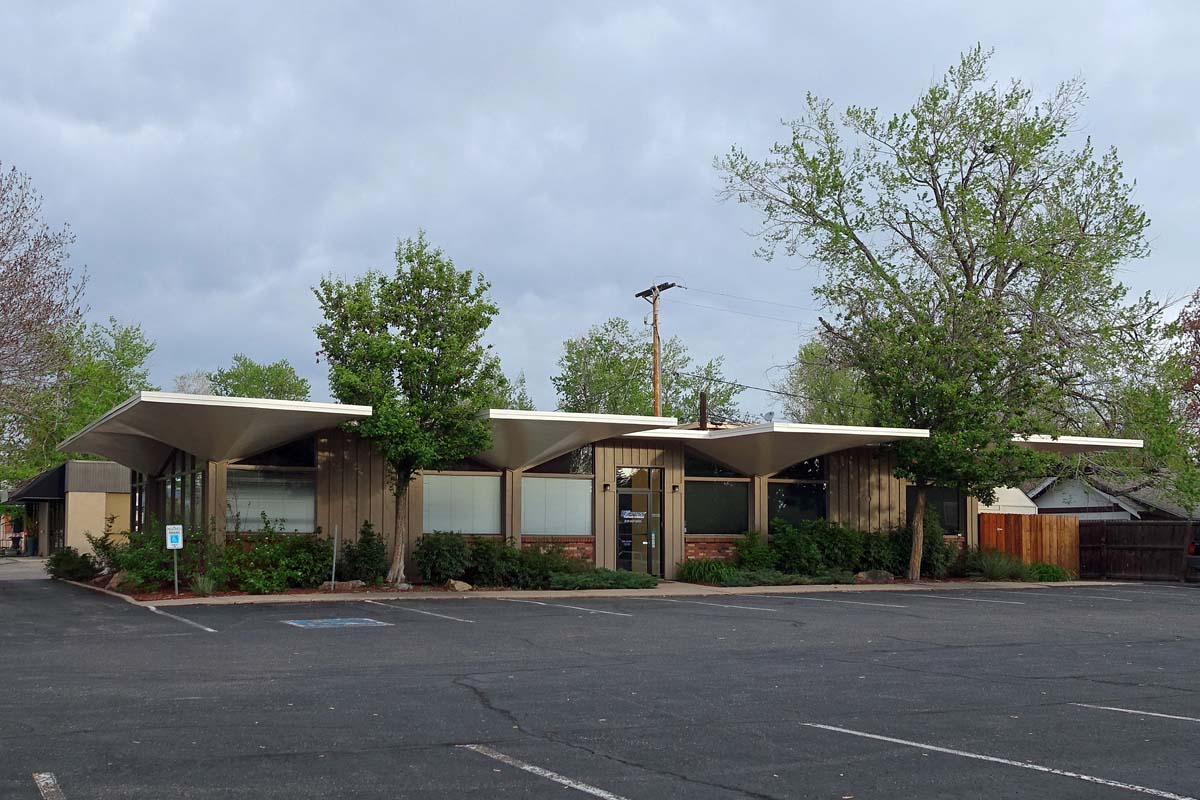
point(86, 513)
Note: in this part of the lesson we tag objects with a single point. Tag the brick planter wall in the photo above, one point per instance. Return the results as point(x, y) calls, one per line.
point(709, 547)
point(574, 546)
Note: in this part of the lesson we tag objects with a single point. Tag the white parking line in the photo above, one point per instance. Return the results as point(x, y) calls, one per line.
point(1069, 594)
point(718, 605)
point(563, 605)
point(47, 786)
point(1138, 713)
point(399, 607)
point(541, 772)
point(965, 599)
point(824, 600)
point(1133, 787)
point(180, 619)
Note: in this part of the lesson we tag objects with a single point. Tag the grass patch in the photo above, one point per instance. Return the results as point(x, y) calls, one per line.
point(602, 579)
point(1042, 572)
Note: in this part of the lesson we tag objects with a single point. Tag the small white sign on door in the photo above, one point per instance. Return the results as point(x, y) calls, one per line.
point(174, 537)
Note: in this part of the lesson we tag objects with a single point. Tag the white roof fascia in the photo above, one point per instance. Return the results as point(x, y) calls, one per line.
point(523, 439)
point(142, 431)
point(1075, 444)
point(767, 448)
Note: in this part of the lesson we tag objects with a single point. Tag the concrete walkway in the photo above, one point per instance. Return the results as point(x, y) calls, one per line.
point(22, 568)
point(664, 589)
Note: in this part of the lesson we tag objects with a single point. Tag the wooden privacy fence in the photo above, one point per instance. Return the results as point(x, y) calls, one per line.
point(1139, 549)
point(1049, 538)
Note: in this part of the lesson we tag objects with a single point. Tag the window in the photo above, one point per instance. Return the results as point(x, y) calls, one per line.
point(947, 506)
point(300, 453)
point(576, 462)
point(287, 497)
point(799, 492)
point(716, 507)
point(461, 503)
point(560, 506)
point(794, 501)
point(179, 493)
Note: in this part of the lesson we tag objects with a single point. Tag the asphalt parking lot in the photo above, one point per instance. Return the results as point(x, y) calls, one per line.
point(1055, 692)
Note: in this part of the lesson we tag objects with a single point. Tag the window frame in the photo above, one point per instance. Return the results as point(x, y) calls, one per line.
point(477, 473)
point(589, 479)
point(235, 467)
point(823, 482)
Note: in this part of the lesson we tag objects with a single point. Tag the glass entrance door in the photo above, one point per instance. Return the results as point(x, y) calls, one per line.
point(639, 520)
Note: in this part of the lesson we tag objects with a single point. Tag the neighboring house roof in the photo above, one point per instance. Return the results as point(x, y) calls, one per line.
point(72, 476)
point(1136, 501)
point(1010, 500)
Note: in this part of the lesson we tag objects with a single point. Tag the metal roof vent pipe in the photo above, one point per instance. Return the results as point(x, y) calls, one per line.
point(704, 411)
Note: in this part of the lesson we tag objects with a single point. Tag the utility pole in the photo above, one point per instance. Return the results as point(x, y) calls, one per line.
point(651, 296)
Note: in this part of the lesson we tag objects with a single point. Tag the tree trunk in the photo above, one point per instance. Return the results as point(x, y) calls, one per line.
point(918, 534)
point(395, 575)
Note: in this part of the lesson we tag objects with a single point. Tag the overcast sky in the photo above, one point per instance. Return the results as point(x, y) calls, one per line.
point(216, 159)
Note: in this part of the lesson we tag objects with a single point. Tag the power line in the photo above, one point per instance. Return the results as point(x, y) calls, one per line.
point(749, 299)
point(771, 391)
point(735, 311)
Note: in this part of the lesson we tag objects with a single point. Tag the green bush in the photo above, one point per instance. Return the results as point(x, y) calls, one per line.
point(751, 552)
point(936, 554)
point(203, 584)
point(493, 562)
point(441, 556)
point(795, 551)
point(879, 553)
point(365, 560)
point(69, 564)
point(269, 563)
point(1042, 572)
point(706, 570)
point(602, 579)
point(995, 565)
point(841, 548)
point(773, 577)
point(149, 565)
point(536, 565)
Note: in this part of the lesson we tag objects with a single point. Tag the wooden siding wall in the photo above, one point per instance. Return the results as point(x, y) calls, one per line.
point(354, 484)
point(863, 491)
point(614, 453)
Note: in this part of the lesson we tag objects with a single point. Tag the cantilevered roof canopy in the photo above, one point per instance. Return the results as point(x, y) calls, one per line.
point(773, 446)
point(141, 432)
point(522, 439)
point(1070, 445)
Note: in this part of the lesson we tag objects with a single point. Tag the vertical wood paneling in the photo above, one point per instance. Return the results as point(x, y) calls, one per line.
point(345, 520)
point(362, 509)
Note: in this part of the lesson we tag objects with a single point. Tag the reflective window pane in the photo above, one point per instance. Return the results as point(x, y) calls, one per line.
point(716, 507)
point(461, 503)
point(287, 498)
point(795, 502)
point(556, 506)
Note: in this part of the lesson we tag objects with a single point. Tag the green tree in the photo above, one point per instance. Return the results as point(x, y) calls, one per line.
point(819, 390)
point(971, 254)
point(513, 394)
point(246, 377)
point(107, 365)
point(409, 344)
point(609, 370)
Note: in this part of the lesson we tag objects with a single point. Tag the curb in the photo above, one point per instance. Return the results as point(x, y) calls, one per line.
point(666, 589)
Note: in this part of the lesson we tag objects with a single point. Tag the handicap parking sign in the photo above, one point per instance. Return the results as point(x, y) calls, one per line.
point(174, 537)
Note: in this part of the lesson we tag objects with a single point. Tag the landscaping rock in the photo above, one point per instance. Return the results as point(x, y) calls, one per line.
point(458, 586)
point(341, 586)
point(875, 576)
point(116, 580)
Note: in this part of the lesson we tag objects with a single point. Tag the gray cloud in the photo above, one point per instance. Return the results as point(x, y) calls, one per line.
point(216, 159)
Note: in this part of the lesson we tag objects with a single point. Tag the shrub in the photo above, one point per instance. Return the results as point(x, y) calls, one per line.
point(841, 548)
point(773, 577)
point(936, 555)
point(1042, 572)
point(995, 565)
point(706, 570)
point(69, 564)
point(493, 562)
point(602, 579)
point(879, 552)
point(442, 556)
point(535, 565)
point(270, 562)
point(751, 552)
point(204, 584)
point(795, 552)
point(364, 560)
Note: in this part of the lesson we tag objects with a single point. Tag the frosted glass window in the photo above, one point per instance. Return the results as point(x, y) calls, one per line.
point(461, 503)
point(289, 499)
point(560, 506)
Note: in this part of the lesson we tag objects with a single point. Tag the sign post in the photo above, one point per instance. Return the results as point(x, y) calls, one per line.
point(175, 544)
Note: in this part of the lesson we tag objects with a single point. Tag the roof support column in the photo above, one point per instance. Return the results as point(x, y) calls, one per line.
point(759, 508)
point(215, 475)
point(510, 511)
